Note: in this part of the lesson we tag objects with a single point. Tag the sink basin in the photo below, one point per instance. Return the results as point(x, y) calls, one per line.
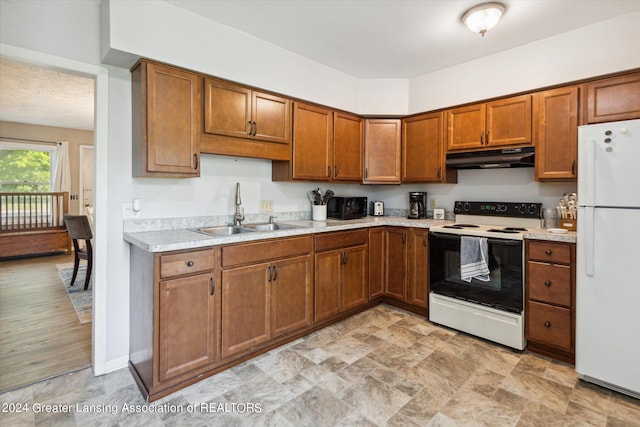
point(269, 227)
point(224, 230)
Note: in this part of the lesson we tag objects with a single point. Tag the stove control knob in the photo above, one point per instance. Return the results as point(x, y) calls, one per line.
point(533, 209)
point(466, 206)
point(501, 208)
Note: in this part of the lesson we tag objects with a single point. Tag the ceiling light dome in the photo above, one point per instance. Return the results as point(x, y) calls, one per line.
point(483, 17)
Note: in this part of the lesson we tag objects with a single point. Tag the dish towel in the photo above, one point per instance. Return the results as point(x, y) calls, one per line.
point(474, 252)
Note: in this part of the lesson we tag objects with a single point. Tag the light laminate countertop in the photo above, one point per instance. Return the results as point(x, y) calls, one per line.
point(179, 239)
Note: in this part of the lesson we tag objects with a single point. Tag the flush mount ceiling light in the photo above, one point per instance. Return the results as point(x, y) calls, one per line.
point(483, 17)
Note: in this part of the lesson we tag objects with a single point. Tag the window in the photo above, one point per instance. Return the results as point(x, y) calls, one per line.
point(26, 168)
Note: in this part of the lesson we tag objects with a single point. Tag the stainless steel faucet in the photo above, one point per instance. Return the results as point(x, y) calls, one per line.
point(238, 217)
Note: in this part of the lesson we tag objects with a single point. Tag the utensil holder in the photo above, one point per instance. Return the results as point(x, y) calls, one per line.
point(568, 224)
point(319, 212)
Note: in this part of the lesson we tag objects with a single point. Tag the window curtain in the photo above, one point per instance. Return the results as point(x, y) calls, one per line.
point(62, 178)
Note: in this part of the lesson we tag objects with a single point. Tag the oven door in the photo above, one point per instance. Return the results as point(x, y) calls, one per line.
point(504, 289)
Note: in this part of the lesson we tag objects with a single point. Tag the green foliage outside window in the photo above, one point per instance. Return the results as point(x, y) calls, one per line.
point(25, 171)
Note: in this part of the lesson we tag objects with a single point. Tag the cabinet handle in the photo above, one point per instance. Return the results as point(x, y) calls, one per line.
point(255, 128)
point(341, 258)
point(195, 158)
point(270, 274)
point(481, 138)
point(424, 240)
point(335, 171)
point(189, 263)
point(547, 324)
point(329, 171)
point(439, 172)
point(404, 238)
point(573, 167)
point(548, 252)
point(346, 257)
point(249, 127)
point(213, 285)
point(366, 173)
point(486, 138)
point(547, 283)
point(275, 275)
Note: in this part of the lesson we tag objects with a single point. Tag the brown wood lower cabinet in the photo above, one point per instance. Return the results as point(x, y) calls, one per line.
point(266, 292)
point(550, 298)
point(341, 272)
point(406, 267)
point(174, 317)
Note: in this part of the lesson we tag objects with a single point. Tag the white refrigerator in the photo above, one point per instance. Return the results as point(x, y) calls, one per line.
point(608, 256)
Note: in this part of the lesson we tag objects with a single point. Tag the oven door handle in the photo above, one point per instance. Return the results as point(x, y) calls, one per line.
point(456, 237)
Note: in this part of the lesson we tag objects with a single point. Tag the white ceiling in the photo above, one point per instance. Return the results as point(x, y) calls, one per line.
point(362, 38)
point(34, 95)
point(399, 38)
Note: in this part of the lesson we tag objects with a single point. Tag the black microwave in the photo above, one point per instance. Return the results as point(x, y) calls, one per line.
point(347, 207)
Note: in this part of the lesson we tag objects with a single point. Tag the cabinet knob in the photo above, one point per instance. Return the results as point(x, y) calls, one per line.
point(547, 324)
point(547, 283)
point(190, 264)
point(548, 252)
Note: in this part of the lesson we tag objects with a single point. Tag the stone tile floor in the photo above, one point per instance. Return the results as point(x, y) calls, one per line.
point(380, 367)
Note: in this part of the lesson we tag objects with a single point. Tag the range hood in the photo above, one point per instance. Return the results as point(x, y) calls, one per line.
point(488, 159)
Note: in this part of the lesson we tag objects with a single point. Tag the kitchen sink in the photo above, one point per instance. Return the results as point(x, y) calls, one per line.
point(224, 230)
point(269, 226)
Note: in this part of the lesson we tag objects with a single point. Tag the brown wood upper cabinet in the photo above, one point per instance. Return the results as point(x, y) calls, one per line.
point(348, 140)
point(555, 133)
point(502, 123)
point(238, 111)
point(382, 149)
point(423, 154)
point(616, 98)
point(167, 109)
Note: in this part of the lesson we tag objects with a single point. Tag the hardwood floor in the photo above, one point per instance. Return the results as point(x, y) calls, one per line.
point(40, 335)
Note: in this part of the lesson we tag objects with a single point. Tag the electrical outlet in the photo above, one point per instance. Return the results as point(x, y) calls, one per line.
point(433, 203)
point(128, 212)
point(266, 205)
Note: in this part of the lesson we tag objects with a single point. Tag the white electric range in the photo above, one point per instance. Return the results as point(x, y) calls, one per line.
point(488, 306)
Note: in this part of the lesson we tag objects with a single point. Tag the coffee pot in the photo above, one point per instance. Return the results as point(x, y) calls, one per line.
point(417, 204)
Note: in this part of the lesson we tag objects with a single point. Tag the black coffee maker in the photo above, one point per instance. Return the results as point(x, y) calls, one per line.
point(417, 204)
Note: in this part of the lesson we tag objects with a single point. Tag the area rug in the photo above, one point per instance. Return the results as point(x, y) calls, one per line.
point(80, 298)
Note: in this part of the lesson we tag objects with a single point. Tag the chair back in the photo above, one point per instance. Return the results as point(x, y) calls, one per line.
point(78, 227)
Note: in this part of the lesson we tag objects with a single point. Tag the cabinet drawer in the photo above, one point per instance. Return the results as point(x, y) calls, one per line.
point(550, 325)
point(343, 239)
point(249, 253)
point(550, 252)
point(186, 263)
point(549, 283)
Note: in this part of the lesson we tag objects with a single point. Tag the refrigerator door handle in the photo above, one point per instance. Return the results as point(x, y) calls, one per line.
point(590, 162)
point(589, 237)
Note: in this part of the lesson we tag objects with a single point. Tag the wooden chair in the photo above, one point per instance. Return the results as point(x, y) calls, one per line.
point(79, 229)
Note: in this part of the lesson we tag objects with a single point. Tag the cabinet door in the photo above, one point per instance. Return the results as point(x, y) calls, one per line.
point(556, 133)
point(617, 98)
point(465, 127)
point(354, 277)
point(186, 317)
point(423, 157)
point(312, 132)
point(245, 308)
point(291, 295)
point(271, 118)
point(327, 284)
point(348, 137)
point(509, 122)
point(382, 151)
point(418, 267)
point(227, 109)
point(170, 123)
point(396, 260)
point(377, 261)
